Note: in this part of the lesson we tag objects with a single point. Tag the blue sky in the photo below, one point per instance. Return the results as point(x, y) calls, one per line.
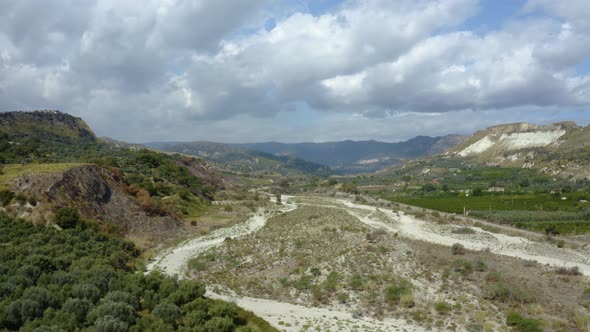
point(297, 70)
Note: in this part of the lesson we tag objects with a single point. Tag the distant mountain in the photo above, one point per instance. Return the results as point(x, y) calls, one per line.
point(557, 149)
point(242, 159)
point(359, 156)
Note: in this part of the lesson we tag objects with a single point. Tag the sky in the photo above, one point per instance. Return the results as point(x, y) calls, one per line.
point(296, 70)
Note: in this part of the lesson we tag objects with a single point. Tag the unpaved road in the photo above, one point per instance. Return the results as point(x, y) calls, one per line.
point(173, 261)
point(290, 317)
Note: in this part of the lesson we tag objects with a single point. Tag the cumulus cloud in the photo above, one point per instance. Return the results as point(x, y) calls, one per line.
point(176, 69)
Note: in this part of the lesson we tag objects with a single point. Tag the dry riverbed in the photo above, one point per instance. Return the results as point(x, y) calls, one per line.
point(331, 264)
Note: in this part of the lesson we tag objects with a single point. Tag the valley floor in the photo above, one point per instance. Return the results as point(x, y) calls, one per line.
point(290, 263)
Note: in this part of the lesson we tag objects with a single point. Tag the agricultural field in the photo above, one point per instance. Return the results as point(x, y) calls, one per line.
point(539, 212)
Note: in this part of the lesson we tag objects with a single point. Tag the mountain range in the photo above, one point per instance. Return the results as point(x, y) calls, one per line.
point(342, 156)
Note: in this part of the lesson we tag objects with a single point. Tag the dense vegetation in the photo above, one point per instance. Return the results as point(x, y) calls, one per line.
point(50, 138)
point(80, 280)
point(153, 176)
point(44, 136)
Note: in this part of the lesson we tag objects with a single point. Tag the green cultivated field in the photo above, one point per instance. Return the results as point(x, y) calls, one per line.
point(455, 203)
point(539, 212)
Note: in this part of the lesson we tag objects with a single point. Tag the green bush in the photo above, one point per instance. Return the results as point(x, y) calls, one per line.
point(67, 218)
point(503, 292)
point(523, 324)
point(85, 280)
point(331, 282)
point(442, 308)
point(167, 312)
point(6, 197)
point(394, 291)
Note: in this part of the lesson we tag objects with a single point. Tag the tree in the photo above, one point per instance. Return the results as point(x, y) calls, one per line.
point(284, 184)
point(5, 197)
point(67, 218)
point(350, 187)
point(118, 310)
point(478, 191)
point(110, 324)
point(278, 198)
point(429, 187)
point(78, 307)
point(332, 182)
point(219, 324)
point(169, 313)
point(445, 187)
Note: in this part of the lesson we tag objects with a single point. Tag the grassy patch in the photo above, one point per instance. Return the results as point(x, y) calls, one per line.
point(12, 171)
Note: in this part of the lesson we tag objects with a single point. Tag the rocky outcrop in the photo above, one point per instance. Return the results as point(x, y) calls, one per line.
point(97, 196)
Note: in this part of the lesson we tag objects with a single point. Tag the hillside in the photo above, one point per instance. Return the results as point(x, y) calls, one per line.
point(54, 160)
point(360, 156)
point(47, 124)
point(244, 160)
point(556, 149)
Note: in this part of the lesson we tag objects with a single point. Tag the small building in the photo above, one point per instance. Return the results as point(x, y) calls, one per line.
point(496, 189)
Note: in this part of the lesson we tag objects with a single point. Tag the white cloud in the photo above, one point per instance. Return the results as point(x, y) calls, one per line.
point(181, 67)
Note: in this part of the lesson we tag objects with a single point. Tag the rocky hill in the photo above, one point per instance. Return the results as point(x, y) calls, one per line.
point(96, 194)
point(557, 149)
point(47, 124)
point(53, 160)
point(43, 136)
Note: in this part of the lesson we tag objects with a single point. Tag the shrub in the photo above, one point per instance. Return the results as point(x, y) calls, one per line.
point(331, 281)
point(20, 199)
point(458, 249)
point(480, 266)
point(109, 324)
point(118, 310)
point(356, 282)
point(78, 307)
point(315, 271)
point(86, 291)
point(224, 309)
point(342, 297)
point(119, 296)
point(522, 324)
point(407, 300)
point(5, 197)
point(442, 308)
point(463, 230)
point(188, 291)
point(219, 324)
point(503, 292)
point(394, 292)
point(196, 265)
point(570, 271)
point(169, 313)
point(67, 218)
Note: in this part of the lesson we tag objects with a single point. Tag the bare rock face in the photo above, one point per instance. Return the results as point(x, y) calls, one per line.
point(97, 196)
point(85, 184)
